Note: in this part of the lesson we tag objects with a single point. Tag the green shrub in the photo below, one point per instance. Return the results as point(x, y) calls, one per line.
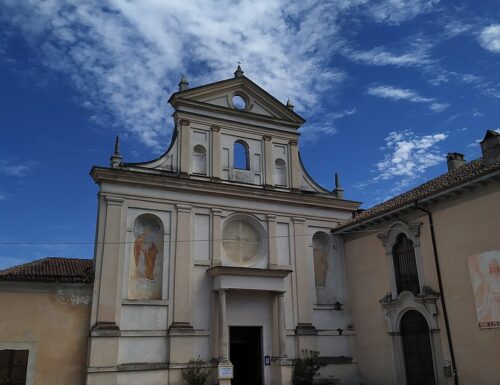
point(306, 367)
point(197, 372)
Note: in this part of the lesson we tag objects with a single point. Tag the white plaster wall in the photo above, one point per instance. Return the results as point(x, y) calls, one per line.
point(253, 309)
point(201, 237)
point(283, 244)
point(144, 317)
point(142, 350)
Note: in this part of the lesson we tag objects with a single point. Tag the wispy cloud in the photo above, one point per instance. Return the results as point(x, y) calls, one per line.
point(3, 196)
point(416, 55)
point(395, 93)
point(16, 169)
point(315, 130)
point(398, 11)
point(489, 38)
point(407, 156)
point(126, 57)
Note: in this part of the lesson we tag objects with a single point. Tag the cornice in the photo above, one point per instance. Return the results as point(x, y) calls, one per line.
point(248, 271)
point(162, 180)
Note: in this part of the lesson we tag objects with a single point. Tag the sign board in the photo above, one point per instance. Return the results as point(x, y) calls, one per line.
point(225, 372)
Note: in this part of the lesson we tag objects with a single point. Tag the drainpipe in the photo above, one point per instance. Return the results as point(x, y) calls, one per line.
point(441, 290)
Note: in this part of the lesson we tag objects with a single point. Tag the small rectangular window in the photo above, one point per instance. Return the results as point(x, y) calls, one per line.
point(13, 366)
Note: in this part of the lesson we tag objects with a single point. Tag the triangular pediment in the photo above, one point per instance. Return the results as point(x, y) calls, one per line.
point(221, 95)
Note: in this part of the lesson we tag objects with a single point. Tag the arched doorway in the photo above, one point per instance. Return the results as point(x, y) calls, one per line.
point(417, 349)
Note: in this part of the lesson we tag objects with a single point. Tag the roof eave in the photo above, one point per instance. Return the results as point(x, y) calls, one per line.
point(430, 199)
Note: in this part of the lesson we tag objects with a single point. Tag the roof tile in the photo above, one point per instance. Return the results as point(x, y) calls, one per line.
point(51, 269)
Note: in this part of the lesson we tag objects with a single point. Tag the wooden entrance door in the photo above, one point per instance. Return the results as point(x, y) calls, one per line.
point(417, 349)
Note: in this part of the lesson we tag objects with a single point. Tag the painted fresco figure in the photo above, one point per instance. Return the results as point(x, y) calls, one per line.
point(145, 269)
point(484, 269)
point(490, 310)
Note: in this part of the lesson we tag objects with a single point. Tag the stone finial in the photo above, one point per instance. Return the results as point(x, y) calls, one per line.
point(116, 158)
point(289, 104)
point(338, 191)
point(490, 146)
point(455, 160)
point(183, 84)
point(239, 72)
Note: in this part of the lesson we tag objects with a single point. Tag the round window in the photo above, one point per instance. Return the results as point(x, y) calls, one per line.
point(239, 102)
point(241, 241)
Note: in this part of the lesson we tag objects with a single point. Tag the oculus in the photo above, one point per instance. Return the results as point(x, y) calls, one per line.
point(241, 241)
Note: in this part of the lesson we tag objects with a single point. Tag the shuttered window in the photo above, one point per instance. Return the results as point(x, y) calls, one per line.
point(405, 266)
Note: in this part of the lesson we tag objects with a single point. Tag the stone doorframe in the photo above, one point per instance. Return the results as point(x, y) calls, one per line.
point(425, 304)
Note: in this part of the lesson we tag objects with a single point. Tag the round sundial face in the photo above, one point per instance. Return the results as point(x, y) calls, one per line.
point(241, 241)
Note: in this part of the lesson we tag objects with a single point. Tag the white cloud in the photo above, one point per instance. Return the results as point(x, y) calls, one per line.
point(394, 93)
point(3, 196)
point(14, 169)
point(127, 57)
point(438, 107)
point(489, 38)
point(390, 92)
point(380, 56)
point(407, 157)
point(398, 11)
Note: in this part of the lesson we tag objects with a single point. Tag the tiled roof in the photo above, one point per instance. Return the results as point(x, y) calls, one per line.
point(468, 172)
point(51, 269)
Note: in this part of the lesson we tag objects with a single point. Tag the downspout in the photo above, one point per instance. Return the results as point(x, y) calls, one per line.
point(441, 290)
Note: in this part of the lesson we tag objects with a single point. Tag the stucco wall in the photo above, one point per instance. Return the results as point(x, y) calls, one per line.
point(53, 321)
point(465, 225)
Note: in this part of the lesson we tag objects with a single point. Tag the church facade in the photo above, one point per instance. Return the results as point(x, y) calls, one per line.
point(221, 248)
point(225, 249)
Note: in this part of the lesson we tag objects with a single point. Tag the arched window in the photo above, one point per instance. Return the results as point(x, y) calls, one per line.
point(146, 260)
point(241, 155)
point(280, 172)
point(405, 266)
point(199, 159)
point(321, 244)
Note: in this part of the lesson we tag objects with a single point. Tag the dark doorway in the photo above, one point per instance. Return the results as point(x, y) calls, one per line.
point(245, 352)
point(417, 349)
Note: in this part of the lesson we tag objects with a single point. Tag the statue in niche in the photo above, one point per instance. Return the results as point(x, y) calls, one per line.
point(146, 261)
point(320, 256)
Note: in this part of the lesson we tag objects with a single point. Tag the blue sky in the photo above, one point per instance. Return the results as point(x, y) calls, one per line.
point(387, 87)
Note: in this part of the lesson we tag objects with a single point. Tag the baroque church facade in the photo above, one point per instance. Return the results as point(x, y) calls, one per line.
point(218, 248)
point(225, 249)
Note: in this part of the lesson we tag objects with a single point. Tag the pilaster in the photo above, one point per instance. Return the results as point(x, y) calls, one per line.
point(268, 160)
point(216, 150)
point(108, 309)
point(185, 156)
point(295, 166)
point(216, 237)
point(304, 295)
point(183, 277)
point(271, 227)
